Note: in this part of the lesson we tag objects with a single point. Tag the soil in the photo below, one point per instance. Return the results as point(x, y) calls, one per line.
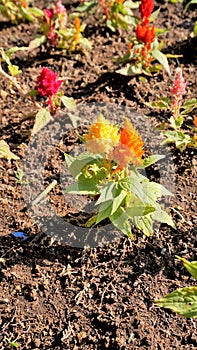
point(56, 295)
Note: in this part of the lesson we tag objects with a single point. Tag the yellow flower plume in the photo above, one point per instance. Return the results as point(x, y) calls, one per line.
point(102, 136)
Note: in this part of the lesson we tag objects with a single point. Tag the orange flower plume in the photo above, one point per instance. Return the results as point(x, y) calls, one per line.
point(195, 120)
point(129, 148)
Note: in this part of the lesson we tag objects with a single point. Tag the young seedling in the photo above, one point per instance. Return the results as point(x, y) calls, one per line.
point(19, 10)
point(5, 151)
point(114, 13)
point(59, 32)
point(183, 300)
point(179, 110)
point(47, 86)
point(110, 172)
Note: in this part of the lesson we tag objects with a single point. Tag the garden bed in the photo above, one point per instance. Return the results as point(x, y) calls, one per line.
point(56, 296)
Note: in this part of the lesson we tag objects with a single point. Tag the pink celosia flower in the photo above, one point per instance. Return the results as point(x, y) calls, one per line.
point(177, 91)
point(60, 9)
point(47, 83)
point(179, 85)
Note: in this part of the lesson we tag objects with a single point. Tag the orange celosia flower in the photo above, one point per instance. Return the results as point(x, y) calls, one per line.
point(77, 24)
point(120, 1)
point(195, 120)
point(129, 148)
point(103, 136)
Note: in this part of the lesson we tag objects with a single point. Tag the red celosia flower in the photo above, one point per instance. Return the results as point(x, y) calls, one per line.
point(150, 35)
point(47, 83)
point(146, 7)
point(141, 32)
point(179, 85)
point(48, 13)
point(145, 33)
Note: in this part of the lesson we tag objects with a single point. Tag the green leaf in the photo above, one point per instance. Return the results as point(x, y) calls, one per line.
point(150, 160)
point(80, 161)
point(152, 191)
point(75, 120)
point(139, 210)
point(104, 211)
point(192, 2)
point(120, 220)
point(68, 102)
point(69, 159)
point(195, 29)
point(159, 56)
point(136, 186)
point(162, 103)
point(86, 6)
point(176, 123)
point(190, 266)
point(154, 15)
point(169, 55)
point(183, 301)
point(13, 343)
point(162, 216)
point(14, 70)
point(107, 193)
point(144, 224)
point(26, 14)
point(15, 49)
point(189, 105)
point(5, 151)
point(37, 42)
point(36, 11)
point(129, 4)
point(85, 42)
point(81, 188)
point(42, 119)
point(5, 56)
point(180, 139)
point(118, 200)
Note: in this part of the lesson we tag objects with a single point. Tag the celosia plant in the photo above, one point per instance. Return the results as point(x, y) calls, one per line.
point(144, 48)
point(47, 86)
point(115, 13)
point(59, 31)
point(183, 300)
point(18, 10)
point(110, 172)
point(179, 110)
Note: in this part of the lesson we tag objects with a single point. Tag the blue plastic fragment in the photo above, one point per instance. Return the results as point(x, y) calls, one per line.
point(20, 235)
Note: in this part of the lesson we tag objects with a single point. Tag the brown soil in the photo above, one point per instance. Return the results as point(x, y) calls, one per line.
point(52, 295)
